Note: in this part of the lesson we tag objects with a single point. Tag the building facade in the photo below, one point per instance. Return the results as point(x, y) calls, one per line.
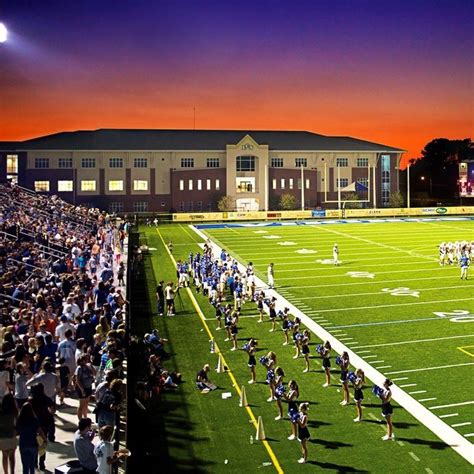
point(190, 170)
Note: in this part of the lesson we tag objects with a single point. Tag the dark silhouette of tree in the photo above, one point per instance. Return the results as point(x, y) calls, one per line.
point(437, 171)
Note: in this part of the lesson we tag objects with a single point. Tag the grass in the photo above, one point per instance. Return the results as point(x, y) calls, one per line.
point(202, 431)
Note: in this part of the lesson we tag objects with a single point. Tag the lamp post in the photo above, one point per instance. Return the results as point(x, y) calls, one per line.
point(408, 186)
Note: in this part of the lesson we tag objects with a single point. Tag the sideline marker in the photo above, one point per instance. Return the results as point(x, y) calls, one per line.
point(243, 398)
point(260, 435)
point(220, 369)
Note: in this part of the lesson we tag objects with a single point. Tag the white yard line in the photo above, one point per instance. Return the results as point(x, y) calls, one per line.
point(383, 367)
point(414, 456)
point(399, 378)
point(452, 405)
point(416, 392)
point(469, 435)
point(427, 399)
point(418, 340)
point(383, 323)
point(449, 415)
point(429, 368)
point(351, 295)
point(457, 425)
point(356, 308)
point(450, 436)
point(408, 385)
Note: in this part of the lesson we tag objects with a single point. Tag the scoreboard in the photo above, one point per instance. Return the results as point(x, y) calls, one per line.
point(466, 179)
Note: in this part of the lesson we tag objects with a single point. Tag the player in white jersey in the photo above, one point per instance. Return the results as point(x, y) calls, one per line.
point(270, 275)
point(450, 253)
point(442, 253)
point(335, 254)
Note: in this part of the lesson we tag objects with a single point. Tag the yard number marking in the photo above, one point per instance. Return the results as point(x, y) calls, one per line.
point(286, 243)
point(457, 316)
point(360, 274)
point(402, 291)
point(304, 251)
point(326, 261)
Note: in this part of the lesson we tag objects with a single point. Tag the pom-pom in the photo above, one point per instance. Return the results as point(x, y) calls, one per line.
point(280, 391)
point(338, 360)
point(319, 349)
point(378, 391)
point(263, 360)
point(352, 377)
point(270, 375)
point(294, 415)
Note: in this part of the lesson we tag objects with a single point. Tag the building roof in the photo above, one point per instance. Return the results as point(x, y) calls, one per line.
point(142, 139)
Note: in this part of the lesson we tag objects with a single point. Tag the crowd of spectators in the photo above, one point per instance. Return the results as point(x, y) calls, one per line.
point(62, 322)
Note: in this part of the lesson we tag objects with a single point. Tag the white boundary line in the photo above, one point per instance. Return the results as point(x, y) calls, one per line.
point(429, 368)
point(441, 429)
point(452, 405)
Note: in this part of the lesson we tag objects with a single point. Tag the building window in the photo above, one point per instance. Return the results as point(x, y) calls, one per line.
point(385, 169)
point(199, 184)
point(65, 186)
point(308, 183)
point(140, 207)
point(140, 162)
point(282, 183)
point(363, 181)
point(208, 184)
point(88, 185)
point(212, 163)
point(342, 183)
point(88, 163)
point(199, 206)
point(290, 183)
point(245, 163)
point(181, 184)
point(190, 206)
point(301, 162)
point(190, 184)
point(41, 163)
point(181, 206)
point(276, 162)
point(274, 183)
point(116, 185)
point(41, 186)
point(299, 183)
point(362, 162)
point(115, 162)
point(140, 185)
point(12, 164)
point(116, 207)
point(342, 162)
point(218, 184)
point(65, 163)
point(187, 162)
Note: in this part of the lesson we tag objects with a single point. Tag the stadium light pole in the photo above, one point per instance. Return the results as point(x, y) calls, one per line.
point(302, 187)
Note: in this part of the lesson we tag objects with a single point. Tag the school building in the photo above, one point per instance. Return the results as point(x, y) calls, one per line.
point(122, 170)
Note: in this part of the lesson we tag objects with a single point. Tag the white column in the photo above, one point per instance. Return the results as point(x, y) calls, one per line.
point(374, 185)
point(302, 188)
point(325, 183)
point(338, 183)
point(266, 187)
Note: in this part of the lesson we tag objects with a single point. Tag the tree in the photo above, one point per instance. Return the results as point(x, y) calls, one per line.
point(350, 197)
point(226, 203)
point(437, 171)
point(288, 202)
point(396, 199)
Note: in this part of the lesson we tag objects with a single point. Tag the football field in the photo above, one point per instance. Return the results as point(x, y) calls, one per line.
point(389, 300)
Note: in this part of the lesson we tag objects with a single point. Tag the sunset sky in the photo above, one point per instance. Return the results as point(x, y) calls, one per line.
point(398, 72)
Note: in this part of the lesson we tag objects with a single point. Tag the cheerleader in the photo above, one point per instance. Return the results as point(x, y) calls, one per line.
point(251, 351)
point(279, 391)
point(292, 397)
point(218, 316)
point(387, 409)
point(286, 325)
point(260, 300)
point(270, 379)
point(358, 393)
point(325, 354)
point(295, 331)
point(228, 322)
point(297, 338)
point(272, 311)
point(305, 348)
point(335, 254)
point(233, 330)
point(344, 365)
point(303, 432)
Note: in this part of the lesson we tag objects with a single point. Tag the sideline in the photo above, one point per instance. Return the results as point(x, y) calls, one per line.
point(265, 443)
point(441, 429)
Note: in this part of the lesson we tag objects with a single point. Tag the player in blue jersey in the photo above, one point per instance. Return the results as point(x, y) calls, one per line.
point(464, 264)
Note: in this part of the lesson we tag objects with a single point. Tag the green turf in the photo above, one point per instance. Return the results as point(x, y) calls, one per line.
point(214, 429)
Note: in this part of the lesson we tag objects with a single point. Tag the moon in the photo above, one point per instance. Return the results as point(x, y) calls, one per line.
point(3, 33)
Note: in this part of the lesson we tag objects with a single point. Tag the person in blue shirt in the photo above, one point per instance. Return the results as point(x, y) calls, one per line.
point(464, 264)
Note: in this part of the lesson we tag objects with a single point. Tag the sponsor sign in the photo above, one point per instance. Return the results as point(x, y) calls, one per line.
point(318, 213)
point(441, 210)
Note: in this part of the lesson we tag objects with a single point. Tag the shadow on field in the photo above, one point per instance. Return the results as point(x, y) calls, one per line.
point(336, 467)
point(425, 442)
point(330, 444)
point(164, 426)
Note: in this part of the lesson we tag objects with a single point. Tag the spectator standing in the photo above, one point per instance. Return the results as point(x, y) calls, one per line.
point(67, 350)
point(83, 379)
point(8, 442)
point(160, 298)
point(28, 428)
